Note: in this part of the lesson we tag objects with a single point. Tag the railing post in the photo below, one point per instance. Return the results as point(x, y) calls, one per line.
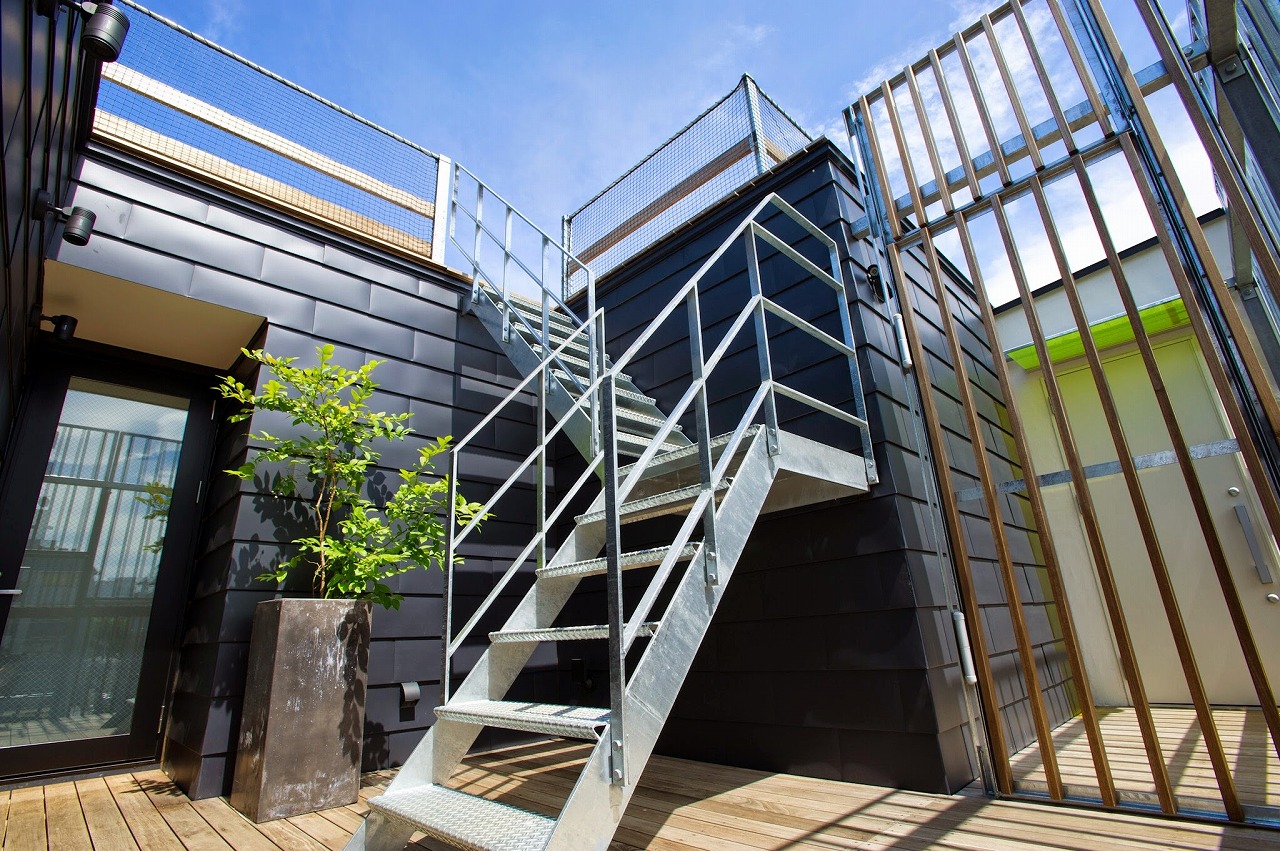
point(703, 420)
point(442, 221)
point(566, 236)
point(762, 340)
point(595, 357)
point(506, 267)
point(475, 254)
point(450, 530)
point(613, 559)
point(542, 452)
point(855, 378)
point(757, 126)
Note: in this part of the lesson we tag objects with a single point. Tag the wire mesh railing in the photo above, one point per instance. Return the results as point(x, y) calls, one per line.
point(177, 98)
point(738, 137)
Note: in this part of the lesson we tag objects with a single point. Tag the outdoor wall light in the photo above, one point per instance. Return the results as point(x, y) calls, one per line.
point(64, 325)
point(104, 30)
point(79, 220)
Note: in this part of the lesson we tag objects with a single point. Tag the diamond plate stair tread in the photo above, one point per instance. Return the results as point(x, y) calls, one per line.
point(562, 633)
point(475, 824)
point(674, 459)
point(571, 722)
point(622, 393)
point(656, 505)
point(636, 444)
point(630, 561)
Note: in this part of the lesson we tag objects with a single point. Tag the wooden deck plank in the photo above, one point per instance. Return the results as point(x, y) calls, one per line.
point(288, 837)
point(175, 808)
point(25, 828)
point(149, 828)
point(679, 806)
point(238, 832)
point(321, 830)
point(106, 825)
point(64, 819)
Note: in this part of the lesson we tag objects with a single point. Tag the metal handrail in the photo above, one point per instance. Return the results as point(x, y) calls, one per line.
point(599, 394)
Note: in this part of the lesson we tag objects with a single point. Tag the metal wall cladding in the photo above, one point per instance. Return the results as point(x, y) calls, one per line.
point(312, 288)
point(830, 656)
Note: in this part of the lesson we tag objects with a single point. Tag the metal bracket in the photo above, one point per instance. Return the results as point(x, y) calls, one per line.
point(1231, 68)
point(709, 568)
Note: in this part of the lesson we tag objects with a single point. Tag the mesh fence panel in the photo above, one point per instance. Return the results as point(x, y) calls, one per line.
point(697, 167)
point(197, 106)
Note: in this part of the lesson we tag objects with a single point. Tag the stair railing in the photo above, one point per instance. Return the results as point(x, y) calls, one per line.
point(623, 632)
point(599, 393)
point(538, 383)
point(496, 285)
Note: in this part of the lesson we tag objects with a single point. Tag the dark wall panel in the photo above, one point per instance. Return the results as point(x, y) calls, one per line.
point(311, 289)
point(831, 654)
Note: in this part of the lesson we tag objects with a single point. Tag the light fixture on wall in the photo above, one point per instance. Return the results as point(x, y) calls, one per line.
point(104, 29)
point(79, 220)
point(64, 325)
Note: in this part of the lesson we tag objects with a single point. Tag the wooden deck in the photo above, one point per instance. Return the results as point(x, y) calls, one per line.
point(680, 805)
point(1254, 764)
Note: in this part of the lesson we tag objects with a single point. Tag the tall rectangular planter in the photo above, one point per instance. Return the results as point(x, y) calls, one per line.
point(302, 730)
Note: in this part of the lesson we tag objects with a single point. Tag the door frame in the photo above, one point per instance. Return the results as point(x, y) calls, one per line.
point(51, 368)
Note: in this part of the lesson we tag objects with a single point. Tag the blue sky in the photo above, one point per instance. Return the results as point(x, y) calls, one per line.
point(549, 102)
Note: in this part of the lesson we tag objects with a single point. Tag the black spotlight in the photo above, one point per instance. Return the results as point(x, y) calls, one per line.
point(64, 325)
point(104, 30)
point(79, 220)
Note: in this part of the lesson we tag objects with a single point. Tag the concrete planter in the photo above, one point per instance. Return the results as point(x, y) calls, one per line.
point(302, 730)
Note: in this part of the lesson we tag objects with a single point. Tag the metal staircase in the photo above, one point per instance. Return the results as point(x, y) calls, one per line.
point(709, 488)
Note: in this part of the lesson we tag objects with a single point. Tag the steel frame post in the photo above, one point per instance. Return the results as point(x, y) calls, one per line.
point(703, 423)
point(757, 127)
point(762, 341)
point(446, 627)
point(613, 581)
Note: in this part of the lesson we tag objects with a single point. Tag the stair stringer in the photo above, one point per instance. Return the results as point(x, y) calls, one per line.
point(655, 683)
point(444, 745)
point(560, 399)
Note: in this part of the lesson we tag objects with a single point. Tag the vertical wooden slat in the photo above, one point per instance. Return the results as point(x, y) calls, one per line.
point(1037, 62)
point(1199, 501)
point(1146, 524)
point(953, 118)
point(1039, 514)
point(1089, 519)
point(1013, 595)
point(882, 177)
point(1253, 364)
point(1024, 124)
point(955, 531)
point(900, 139)
point(984, 113)
point(930, 144)
point(1082, 70)
point(1237, 198)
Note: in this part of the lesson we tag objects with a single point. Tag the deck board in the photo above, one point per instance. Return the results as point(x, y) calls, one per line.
point(679, 806)
point(1253, 761)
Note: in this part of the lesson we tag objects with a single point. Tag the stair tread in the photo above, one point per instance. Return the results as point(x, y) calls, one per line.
point(574, 722)
point(674, 458)
point(465, 820)
point(665, 499)
point(630, 561)
point(622, 392)
point(562, 633)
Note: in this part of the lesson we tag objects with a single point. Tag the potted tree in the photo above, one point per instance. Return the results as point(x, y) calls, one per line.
point(301, 731)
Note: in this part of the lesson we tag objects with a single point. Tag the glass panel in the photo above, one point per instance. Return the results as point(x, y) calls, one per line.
point(71, 654)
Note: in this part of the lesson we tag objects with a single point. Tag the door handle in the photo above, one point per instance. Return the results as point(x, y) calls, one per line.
point(1251, 538)
point(11, 592)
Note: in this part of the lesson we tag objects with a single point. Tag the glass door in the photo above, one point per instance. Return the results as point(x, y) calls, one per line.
point(88, 637)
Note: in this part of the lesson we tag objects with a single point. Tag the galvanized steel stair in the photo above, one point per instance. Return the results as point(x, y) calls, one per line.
point(718, 485)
